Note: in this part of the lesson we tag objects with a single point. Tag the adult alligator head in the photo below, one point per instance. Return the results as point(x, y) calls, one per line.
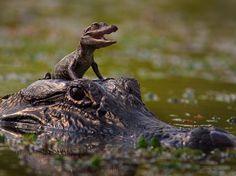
point(83, 106)
point(111, 107)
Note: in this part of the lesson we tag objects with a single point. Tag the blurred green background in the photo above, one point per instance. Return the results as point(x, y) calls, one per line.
point(182, 52)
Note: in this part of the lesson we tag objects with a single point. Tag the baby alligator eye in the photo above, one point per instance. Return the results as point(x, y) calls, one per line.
point(95, 26)
point(77, 93)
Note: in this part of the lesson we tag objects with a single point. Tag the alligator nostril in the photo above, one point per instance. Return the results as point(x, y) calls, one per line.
point(77, 93)
point(114, 27)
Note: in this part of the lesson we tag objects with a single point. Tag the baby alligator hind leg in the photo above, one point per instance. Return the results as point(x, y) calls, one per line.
point(47, 76)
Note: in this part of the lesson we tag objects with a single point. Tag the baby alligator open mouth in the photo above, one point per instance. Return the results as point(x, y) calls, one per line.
point(94, 35)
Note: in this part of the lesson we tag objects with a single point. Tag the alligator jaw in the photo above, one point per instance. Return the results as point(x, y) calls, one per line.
point(22, 122)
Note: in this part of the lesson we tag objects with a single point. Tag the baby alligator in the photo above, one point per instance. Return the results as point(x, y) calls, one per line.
point(74, 65)
point(111, 108)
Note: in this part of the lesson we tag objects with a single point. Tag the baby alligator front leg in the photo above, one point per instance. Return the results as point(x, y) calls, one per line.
point(96, 70)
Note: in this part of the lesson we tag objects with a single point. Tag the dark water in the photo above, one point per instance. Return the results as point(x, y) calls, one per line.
point(182, 53)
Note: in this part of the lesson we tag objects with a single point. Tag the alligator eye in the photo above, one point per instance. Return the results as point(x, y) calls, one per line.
point(77, 93)
point(95, 26)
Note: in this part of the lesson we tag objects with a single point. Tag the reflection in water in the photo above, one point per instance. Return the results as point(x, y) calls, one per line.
point(56, 153)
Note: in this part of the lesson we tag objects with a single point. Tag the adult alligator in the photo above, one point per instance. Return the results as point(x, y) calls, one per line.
point(111, 108)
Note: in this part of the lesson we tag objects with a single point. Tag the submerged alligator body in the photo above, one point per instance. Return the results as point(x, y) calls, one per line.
point(74, 65)
point(111, 108)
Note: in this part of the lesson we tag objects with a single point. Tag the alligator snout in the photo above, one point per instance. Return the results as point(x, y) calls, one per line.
point(208, 139)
